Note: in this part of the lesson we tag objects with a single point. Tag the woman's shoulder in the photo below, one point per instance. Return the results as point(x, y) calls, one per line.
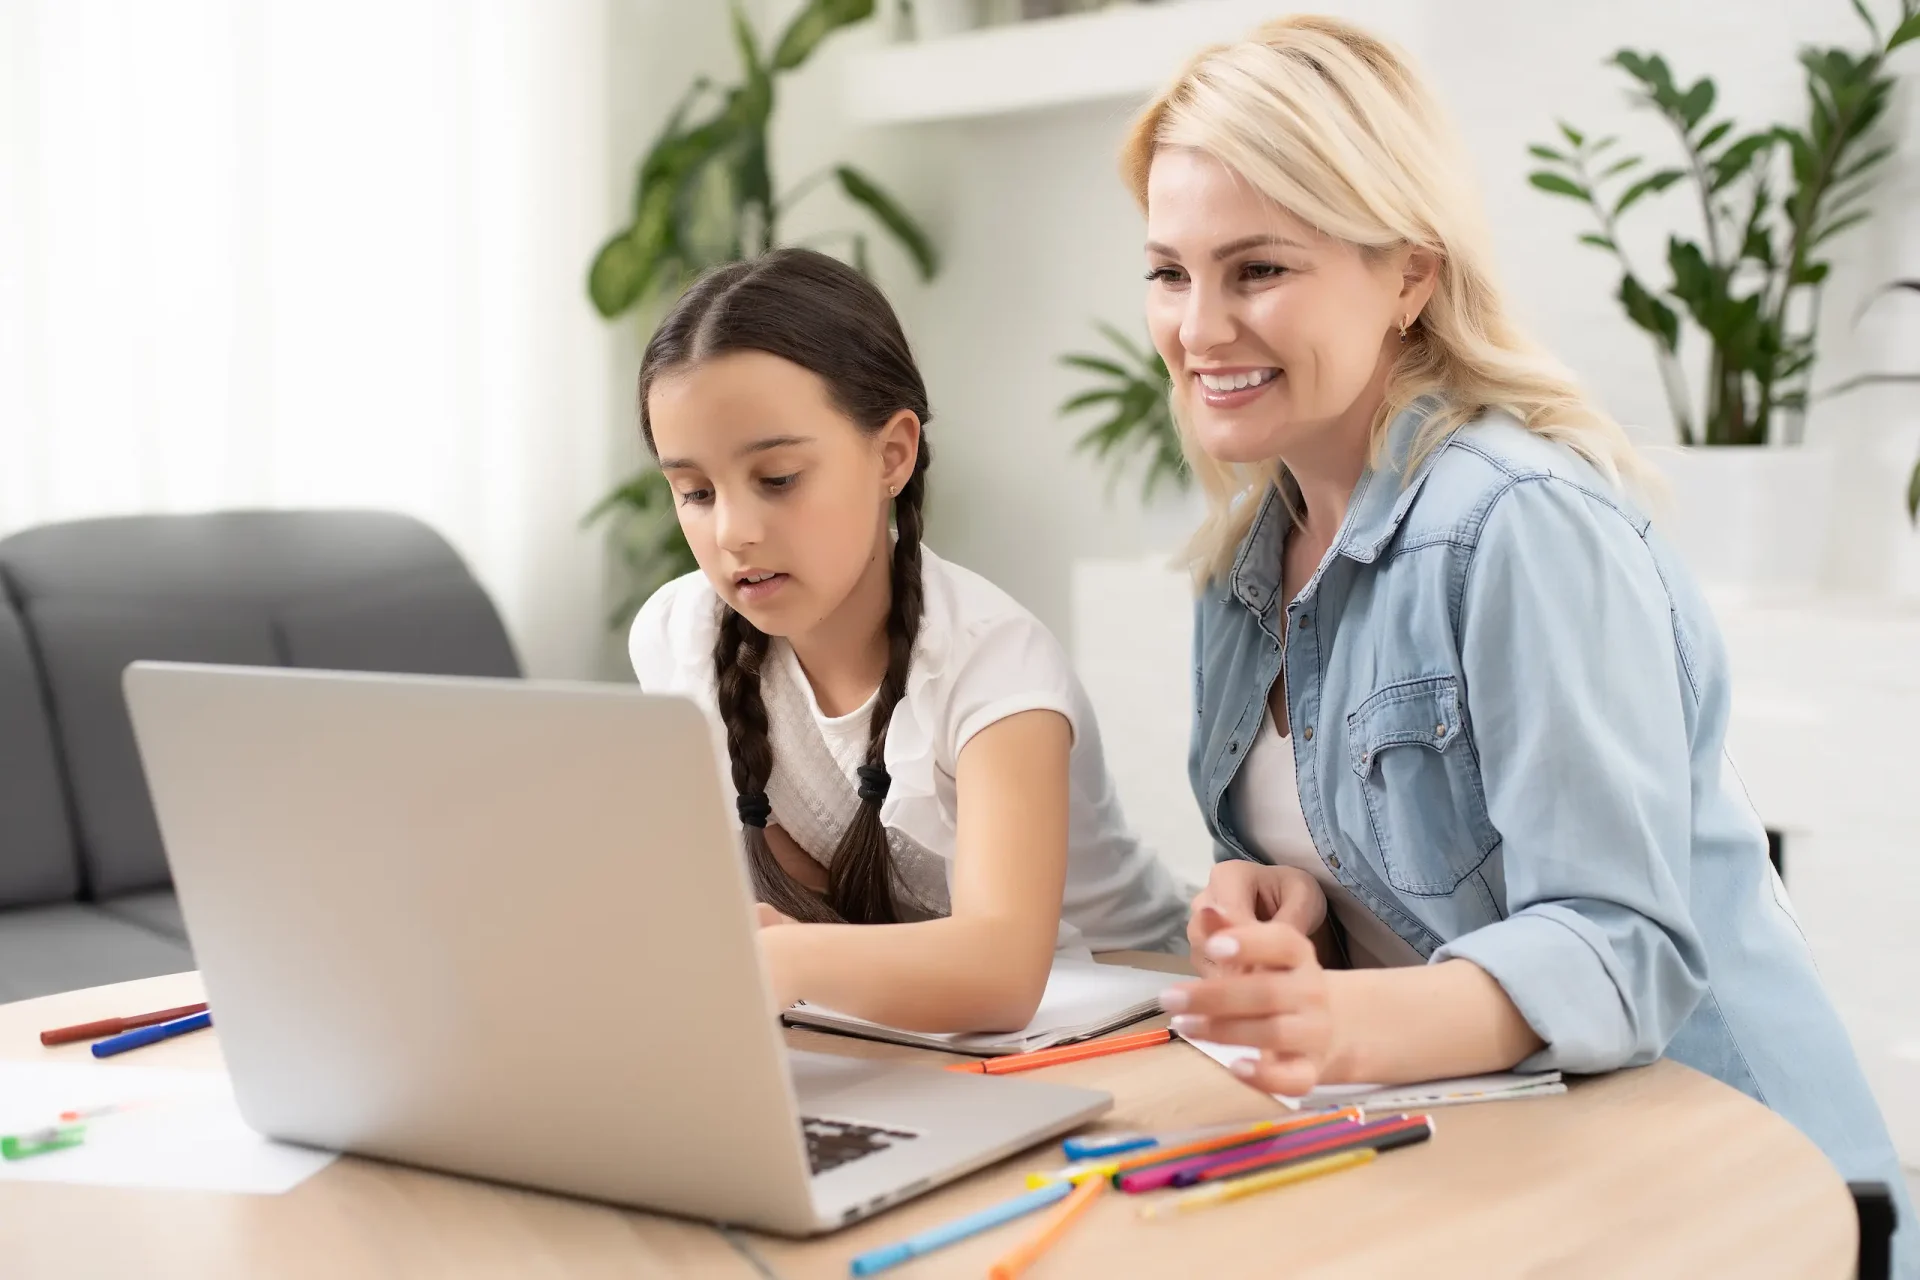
point(1493, 463)
point(671, 641)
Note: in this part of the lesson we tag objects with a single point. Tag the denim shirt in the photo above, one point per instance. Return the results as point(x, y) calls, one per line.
point(1509, 703)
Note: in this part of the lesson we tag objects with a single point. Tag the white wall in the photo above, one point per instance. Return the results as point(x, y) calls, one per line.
point(1039, 238)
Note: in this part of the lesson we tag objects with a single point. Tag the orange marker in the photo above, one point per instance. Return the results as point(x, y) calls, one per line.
point(1063, 1054)
point(1050, 1231)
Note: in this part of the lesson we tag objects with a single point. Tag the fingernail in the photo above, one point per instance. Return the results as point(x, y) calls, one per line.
point(1173, 1000)
point(1244, 1068)
point(1189, 1025)
point(1223, 946)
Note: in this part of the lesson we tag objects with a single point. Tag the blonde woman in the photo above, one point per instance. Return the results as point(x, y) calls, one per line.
point(1460, 711)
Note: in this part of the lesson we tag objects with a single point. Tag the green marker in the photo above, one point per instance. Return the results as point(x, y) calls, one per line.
point(21, 1145)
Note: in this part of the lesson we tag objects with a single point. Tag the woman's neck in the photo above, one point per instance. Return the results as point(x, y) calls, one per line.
point(1328, 463)
point(845, 657)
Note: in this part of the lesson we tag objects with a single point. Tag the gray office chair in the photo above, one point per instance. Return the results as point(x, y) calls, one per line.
point(84, 892)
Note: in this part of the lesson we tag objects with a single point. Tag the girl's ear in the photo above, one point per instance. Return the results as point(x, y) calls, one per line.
point(899, 445)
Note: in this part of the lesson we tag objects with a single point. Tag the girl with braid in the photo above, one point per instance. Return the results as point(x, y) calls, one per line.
point(919, 780)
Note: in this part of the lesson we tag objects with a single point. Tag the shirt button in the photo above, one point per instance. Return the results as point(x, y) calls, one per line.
point(1333, 860)
point(1307, 733)
point(1233, 748)
point(1439, 731)
point(1306, 621)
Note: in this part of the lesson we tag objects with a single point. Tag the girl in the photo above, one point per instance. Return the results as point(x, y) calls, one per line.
point(1461, 713)
point(926, 810)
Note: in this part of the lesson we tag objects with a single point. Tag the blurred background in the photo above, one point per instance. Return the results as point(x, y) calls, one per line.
point(403, 255)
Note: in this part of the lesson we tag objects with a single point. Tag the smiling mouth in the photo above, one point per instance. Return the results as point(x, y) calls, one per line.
point(1242, 381)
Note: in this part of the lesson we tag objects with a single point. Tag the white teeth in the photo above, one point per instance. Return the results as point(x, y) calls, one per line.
point(758, 577)
point(1236, 381)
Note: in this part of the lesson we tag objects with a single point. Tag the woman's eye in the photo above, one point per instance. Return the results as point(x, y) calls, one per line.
point(780, 483)
point(1263, 271)
point(1164, 275)
point(693, 497)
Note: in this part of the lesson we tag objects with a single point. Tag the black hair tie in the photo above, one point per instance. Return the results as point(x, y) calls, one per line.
point(874, 782)
point(754, 810)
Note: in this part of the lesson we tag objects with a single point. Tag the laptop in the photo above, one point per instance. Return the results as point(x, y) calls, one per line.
point(504, 929)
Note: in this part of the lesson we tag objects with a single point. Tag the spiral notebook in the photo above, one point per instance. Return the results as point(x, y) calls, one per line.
point(1083, 999)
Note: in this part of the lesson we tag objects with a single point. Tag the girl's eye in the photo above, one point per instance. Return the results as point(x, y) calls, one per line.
point(1164, 275)
point(780, 483)
point(693, 497)
point(1263, 271)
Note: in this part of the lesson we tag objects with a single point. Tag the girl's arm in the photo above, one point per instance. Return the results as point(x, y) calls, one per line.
point(984, 968)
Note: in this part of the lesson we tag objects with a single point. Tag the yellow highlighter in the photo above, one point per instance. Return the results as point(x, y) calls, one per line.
point(1253, 1184)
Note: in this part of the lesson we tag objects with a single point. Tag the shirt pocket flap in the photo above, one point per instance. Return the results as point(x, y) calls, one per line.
point(1413, 713)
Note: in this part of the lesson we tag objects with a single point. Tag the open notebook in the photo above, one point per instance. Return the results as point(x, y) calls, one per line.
point(1376, 1097)
point(1083, 999)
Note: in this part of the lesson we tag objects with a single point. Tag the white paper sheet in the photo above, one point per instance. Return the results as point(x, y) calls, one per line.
point(185, 1133)
point(1432, 1093)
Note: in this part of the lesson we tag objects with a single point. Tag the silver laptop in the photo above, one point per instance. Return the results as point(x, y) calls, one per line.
point(503, 929)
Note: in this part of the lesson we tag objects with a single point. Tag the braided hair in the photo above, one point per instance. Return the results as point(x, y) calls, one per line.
point(824, 316)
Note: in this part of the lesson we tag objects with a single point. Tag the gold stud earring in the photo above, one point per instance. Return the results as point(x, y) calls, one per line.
point(893, 491)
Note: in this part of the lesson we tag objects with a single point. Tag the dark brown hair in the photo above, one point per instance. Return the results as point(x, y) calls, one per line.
point(824, 316)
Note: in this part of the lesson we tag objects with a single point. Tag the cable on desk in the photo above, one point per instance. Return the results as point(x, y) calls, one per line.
point(747, 1251)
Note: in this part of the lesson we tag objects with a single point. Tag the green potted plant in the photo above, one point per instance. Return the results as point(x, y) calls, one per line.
point(705, 193)
point(1773, 202)
point(1137, 429)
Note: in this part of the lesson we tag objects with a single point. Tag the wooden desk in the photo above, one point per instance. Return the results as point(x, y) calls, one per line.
point(1655, 1172)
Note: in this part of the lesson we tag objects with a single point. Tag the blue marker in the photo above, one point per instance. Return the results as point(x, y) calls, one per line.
point(1106, 1144)
point(148, 1035)
point(940, 1237)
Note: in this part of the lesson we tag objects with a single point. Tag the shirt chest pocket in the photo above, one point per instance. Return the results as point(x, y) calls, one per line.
point(1409, 750)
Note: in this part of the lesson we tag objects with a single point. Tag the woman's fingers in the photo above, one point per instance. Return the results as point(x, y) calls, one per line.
point(1293, 1076)
point(1273, 945)
point(1249, 995)
point(1304, 1033)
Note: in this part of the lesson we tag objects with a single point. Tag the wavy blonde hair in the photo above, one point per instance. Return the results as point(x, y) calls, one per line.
point(1335, 126)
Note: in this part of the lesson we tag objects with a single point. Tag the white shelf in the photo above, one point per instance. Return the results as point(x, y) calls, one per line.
point(1125, 52)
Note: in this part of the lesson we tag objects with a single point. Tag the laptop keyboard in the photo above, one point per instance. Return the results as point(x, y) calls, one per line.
point(832, 1143)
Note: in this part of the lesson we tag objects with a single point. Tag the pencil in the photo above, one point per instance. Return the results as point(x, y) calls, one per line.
point(1253, 1184)
point(1062, 1054)
point(1050, 1231)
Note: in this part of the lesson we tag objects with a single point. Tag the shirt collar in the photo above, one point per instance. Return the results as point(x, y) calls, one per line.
point(1380, 502)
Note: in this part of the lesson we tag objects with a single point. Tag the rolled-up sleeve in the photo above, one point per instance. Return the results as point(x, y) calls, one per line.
point(1578, 707)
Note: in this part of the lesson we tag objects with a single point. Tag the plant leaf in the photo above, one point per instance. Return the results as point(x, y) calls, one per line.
point(1129, 346)
point(1597, 241)
point(1838, 225)
point(1651, 314)
point(1913, 495)
point(1714, 134)
point(664, 145)
point(1085, 398)
point(1738, 158)
point(1809, 273)
point(1558, 185)
point(1872, 27)
point(1696, 102)
point(1619, 166)
point(752, 102)
point(1865, 162)
point(1539, 152)
point(1097, 364)
point(814, 23)
point(1571, 134)
point(863, 191)
point(1653, 182)
point(1907, 30)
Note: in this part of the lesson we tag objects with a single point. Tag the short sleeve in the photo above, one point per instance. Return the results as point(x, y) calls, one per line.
point(671, 642)
point(1012, 664)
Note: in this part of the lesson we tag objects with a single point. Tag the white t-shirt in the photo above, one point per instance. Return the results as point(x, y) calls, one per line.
point(980, 657)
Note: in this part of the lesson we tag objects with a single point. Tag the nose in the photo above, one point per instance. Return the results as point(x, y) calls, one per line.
point(1206, 323)
point(737, 525)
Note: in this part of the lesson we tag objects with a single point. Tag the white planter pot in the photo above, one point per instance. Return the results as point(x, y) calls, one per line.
point(1753, 521)
point(933, 19)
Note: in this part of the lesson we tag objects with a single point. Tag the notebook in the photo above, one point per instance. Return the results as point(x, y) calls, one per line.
point(1083, 999)
point(1429, 1093)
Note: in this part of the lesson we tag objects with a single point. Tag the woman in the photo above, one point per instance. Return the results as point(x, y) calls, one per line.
point(1460, 713)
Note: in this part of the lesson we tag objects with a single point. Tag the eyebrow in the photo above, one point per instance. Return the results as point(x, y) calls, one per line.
point(766, 445)
point(1232, 247)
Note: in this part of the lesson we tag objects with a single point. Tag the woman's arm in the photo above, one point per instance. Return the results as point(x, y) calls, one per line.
point(983, 968)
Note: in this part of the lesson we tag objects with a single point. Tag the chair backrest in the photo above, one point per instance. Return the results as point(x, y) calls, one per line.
point(347, 590)
point(37, 859)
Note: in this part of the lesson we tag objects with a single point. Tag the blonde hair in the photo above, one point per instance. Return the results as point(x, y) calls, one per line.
point(1335, 126)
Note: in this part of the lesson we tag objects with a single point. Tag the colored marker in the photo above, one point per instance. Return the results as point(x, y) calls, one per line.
point(960, 1229)
point(1056, 1226)
point(1063, 1054)
point(151, 1035)
point(114, 1026)
point(1254, 1183)
point(18, 1146)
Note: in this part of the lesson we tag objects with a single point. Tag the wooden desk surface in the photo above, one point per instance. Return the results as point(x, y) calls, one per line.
point(1654, 1172)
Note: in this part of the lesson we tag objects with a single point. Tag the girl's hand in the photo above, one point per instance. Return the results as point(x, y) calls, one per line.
point(1241, 893)
point(1268, 991)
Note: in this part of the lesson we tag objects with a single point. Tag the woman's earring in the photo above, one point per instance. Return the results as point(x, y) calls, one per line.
point(1404, 322)
point(893, 491)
